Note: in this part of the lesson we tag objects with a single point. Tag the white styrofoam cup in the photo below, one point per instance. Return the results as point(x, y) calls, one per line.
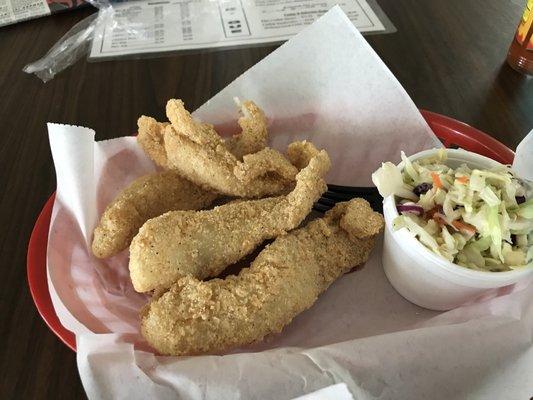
point(425, 278)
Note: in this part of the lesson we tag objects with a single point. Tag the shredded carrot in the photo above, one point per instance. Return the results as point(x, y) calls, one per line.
point(436, 180)
point(464, 227)
point(462, 179)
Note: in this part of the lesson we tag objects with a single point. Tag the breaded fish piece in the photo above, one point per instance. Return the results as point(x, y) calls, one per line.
point(253, 136)
point(195, 317)
point(145, 198)
point(150, 137)
point(204, 243)
point(153, 195)
point(197, 151)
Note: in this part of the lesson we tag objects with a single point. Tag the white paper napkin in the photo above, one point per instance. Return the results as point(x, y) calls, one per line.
point(334, 392)
point(523, 160)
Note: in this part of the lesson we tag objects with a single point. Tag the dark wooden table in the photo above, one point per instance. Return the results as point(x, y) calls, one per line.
point(449, 56)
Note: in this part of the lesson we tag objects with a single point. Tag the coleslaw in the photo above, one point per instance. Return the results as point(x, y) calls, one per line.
point(479, 219)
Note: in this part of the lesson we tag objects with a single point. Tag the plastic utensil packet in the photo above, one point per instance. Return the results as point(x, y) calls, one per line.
point(77, 42)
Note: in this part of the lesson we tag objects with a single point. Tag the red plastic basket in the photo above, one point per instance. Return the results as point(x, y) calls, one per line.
point(450, 131)
point(453, 133)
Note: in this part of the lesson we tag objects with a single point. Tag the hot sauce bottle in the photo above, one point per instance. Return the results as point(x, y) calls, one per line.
point(520, 55)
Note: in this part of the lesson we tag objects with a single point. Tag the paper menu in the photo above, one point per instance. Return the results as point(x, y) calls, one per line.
point(360, 331)
point(12, 11)
point(152, 27)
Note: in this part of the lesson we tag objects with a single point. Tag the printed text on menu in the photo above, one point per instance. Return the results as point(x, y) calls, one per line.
point(147, 27)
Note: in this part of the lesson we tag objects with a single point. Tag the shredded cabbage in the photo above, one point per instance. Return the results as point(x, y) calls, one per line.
point(409, 169)
point(389, 180)
point(526, 209)
point(472, 218)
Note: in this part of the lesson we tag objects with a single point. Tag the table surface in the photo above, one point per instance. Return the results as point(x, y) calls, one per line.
point(448, 55)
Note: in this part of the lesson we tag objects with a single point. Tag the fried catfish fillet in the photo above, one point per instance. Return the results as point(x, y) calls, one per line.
point(251, 139)
point(195, 317)
point(147, 197)
point(204, 243)
point(197, 151)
